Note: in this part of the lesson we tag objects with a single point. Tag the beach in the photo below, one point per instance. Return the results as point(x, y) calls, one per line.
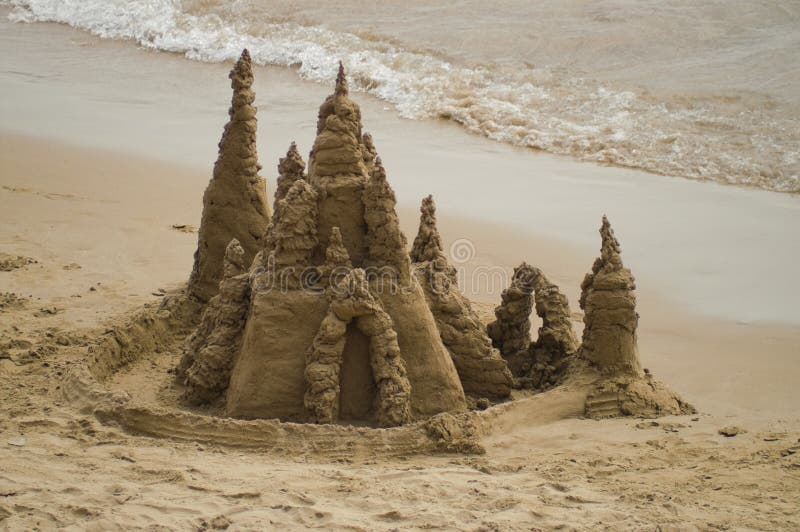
point(105, 150)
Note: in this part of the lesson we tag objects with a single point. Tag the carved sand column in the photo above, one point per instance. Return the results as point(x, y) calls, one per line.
point(234, 204)
point(428, 243)
point(338, 172)
point(386, 243)
point(290, 169)
point(609, 306)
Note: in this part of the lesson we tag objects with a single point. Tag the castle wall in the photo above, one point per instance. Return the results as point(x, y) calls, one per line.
point(268, 377)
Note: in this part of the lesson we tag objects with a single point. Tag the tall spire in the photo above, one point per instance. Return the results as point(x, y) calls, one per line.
point(481, 368)
point(234, 204)
point(337, 170)
point(428, 243)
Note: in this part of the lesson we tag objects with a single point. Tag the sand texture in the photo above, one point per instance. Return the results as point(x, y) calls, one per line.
point(132, 463)
point(234, 204)
point(483, 373)
point(376, 356)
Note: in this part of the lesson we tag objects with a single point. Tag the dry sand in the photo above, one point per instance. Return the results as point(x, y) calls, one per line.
point(60, 208)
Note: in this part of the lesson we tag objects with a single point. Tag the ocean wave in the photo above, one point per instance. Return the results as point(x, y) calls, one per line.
point(539, 108)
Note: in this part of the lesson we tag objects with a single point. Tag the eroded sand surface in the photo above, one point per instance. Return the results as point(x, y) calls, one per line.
point(106, 247)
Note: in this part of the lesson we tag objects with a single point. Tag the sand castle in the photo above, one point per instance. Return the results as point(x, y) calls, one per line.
point(331, 320)
point(312, 328)
point(321, 313)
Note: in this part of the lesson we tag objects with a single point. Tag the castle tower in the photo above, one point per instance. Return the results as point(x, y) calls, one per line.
point(235, 203)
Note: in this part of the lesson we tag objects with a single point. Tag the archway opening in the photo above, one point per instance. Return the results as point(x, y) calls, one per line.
point(356, 382)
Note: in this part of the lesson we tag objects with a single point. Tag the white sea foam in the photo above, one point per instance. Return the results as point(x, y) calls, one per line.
point(534, 107)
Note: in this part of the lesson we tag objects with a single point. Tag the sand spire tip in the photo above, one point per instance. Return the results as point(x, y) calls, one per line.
point(428, 206)
point(341, 81)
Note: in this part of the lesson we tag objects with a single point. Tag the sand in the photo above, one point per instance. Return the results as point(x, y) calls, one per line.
point(99, 223)
point(73, 471)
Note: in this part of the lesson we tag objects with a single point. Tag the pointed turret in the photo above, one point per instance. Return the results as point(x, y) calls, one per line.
point(609, 306)
point(337, 261)
point(206, 366)
point(342, 88)
point(234, 204)
point(428, 243)
point(609, 342)
point(337, 168)
point(386, 243)
point(338, 147)
point(483, 372)
point(290, 169)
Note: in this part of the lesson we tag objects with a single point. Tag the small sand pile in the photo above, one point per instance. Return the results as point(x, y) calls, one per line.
point(11, 301)
point(234, 204)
